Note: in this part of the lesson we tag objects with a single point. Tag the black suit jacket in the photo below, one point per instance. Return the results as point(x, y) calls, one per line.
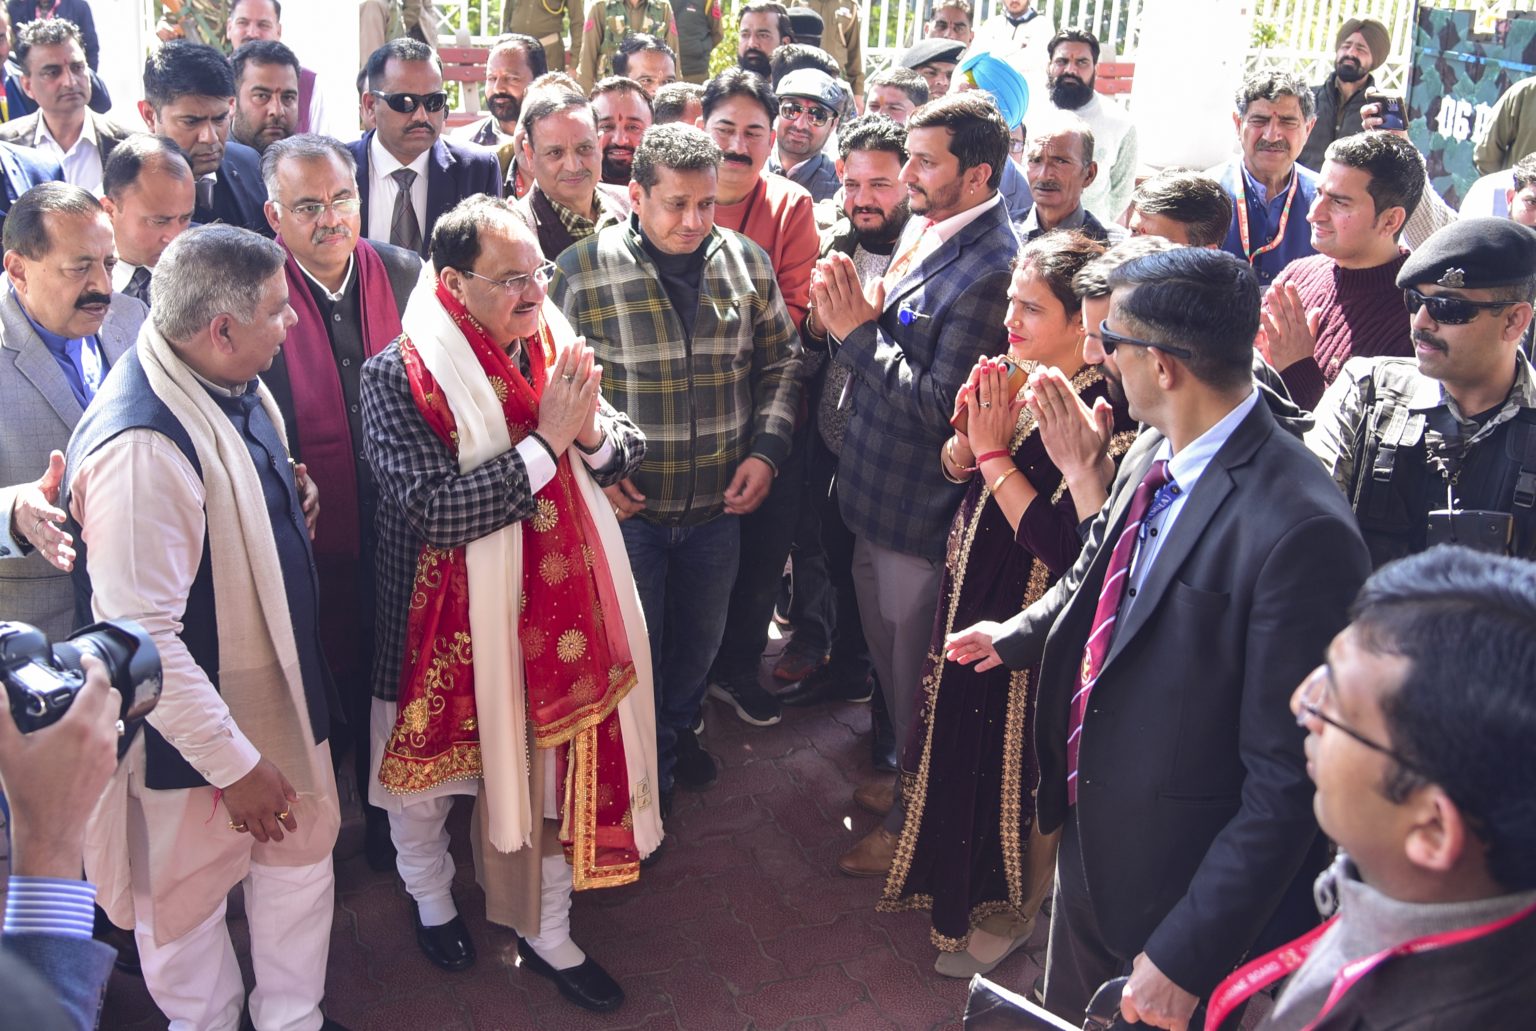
point(108, 133)
point(1194, 806)
point(454, 171)
point(238, 193)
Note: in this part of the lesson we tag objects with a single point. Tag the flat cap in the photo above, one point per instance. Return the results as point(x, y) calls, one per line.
point(806, 25)
point(931, 50)
point(812, 84)
point(1473, 254)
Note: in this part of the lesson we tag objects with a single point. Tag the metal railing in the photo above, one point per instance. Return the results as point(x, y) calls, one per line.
point(1293, 34)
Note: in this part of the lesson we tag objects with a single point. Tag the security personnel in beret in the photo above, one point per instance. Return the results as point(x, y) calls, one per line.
point(1441, 448)
point(606, 25)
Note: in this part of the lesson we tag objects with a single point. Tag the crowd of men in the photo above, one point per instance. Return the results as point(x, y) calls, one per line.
point(481, 453)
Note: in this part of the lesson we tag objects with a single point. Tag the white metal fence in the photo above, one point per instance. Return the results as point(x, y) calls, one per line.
point(1293, 34)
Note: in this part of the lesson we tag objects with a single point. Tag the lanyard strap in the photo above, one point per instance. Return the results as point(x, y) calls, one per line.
point(1242, 216)
point(1267, 969)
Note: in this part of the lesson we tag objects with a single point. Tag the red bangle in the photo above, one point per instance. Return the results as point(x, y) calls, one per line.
point(982, 459)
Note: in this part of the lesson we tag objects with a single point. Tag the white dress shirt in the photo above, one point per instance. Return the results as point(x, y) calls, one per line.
point(82, 162)
point(1185, 470)
point(122, 272)
point(382, 190)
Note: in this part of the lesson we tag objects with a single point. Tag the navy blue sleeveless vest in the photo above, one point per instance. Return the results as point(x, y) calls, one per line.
point(126, 402)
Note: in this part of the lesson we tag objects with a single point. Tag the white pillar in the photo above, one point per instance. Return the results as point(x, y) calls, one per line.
point(1183, 107)
point(122, 27)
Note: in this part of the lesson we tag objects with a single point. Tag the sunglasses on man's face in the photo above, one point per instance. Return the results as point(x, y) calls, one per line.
point(407, 103)
point(1111, 340)
point(1449, 311)
point(789, 111)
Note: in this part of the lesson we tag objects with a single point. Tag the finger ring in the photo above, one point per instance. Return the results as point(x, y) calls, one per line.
point(569, 379)
point(237, 826)
point(121, 730)
point(284, 814)
point(985, 404)
point(39, 524)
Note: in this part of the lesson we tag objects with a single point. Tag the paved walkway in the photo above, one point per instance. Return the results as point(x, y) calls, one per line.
point(745, 923)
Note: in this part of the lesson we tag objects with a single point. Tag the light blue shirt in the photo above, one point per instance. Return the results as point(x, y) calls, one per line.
point(48, 905)
point(80, 359)
point(1184, 470)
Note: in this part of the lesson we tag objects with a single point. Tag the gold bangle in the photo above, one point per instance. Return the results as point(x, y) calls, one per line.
point(1005, 474)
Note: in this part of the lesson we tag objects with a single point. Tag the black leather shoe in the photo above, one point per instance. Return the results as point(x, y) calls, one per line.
point(587, 985)
point(655, 856)
point(828, 685)
point(693, 767)
point(378, 847)
point(447, 945)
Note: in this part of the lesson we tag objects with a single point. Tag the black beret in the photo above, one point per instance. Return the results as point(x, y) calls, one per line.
point(806, 25)
point(931, 50)
point(1473, 254)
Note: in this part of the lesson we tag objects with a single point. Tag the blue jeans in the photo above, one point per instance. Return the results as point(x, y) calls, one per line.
point(684, 576)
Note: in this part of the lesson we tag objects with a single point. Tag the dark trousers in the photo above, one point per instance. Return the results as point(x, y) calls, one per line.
point(766, 535)
point(683, 575)
point(1077, 960)
point(825, 611)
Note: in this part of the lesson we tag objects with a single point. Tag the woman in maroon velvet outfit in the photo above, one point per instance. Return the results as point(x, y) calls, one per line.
point(968, 851)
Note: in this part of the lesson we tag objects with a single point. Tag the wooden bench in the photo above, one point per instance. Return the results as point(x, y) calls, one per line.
point(1114, 77)
point(466, 66)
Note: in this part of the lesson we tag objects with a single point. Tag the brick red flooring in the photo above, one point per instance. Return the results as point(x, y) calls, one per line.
point(743, 924)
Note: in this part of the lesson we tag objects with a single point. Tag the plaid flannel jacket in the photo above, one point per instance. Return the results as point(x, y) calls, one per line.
point(707, 401)
point(424, 499)
point(907, 368)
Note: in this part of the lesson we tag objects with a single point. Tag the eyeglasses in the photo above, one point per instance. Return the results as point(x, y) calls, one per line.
point(518, 284)
point(940, 25)
point(311, 212)
point(1307, 708)
point(1112, 340)
point(1449, 311)
point(407, 103)
point(789, 111)
point(1015, 146)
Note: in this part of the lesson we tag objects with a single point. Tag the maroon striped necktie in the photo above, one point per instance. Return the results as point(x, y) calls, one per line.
point(1110, 597)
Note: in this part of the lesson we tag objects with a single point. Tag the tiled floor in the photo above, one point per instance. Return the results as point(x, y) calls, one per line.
point(744, 923)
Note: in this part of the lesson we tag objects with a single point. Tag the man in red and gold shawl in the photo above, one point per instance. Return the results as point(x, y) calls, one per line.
point(513, 662)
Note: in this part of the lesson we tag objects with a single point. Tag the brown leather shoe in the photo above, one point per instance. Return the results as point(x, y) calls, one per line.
point(871, 857)
point(876, 797)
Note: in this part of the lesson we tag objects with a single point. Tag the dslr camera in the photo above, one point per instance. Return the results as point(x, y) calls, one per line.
point(42, 679)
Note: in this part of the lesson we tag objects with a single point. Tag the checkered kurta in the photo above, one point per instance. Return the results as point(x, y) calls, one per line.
point(705, 401)
point(424, 499)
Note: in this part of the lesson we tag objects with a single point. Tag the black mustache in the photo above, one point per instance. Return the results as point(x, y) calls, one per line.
point(1261, 145)
point(868, 211)
point(740, 159)
point(1422, 337)
point(86, 300)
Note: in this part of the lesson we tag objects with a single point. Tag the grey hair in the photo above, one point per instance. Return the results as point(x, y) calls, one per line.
point(303, 147)
point(1062, 123)
point(679, 147)
point(210, 271)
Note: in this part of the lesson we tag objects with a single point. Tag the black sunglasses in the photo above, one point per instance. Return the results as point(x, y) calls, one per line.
point(1449, 311)
point(407, 103)
point(789, 111)
point(1112, 340)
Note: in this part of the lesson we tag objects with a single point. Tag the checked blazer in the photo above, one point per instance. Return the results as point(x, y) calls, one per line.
point(706, 401)
point(907, 367)
point(424, 499)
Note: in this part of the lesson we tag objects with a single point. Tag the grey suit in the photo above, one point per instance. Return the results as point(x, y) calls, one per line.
point(38, 411)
